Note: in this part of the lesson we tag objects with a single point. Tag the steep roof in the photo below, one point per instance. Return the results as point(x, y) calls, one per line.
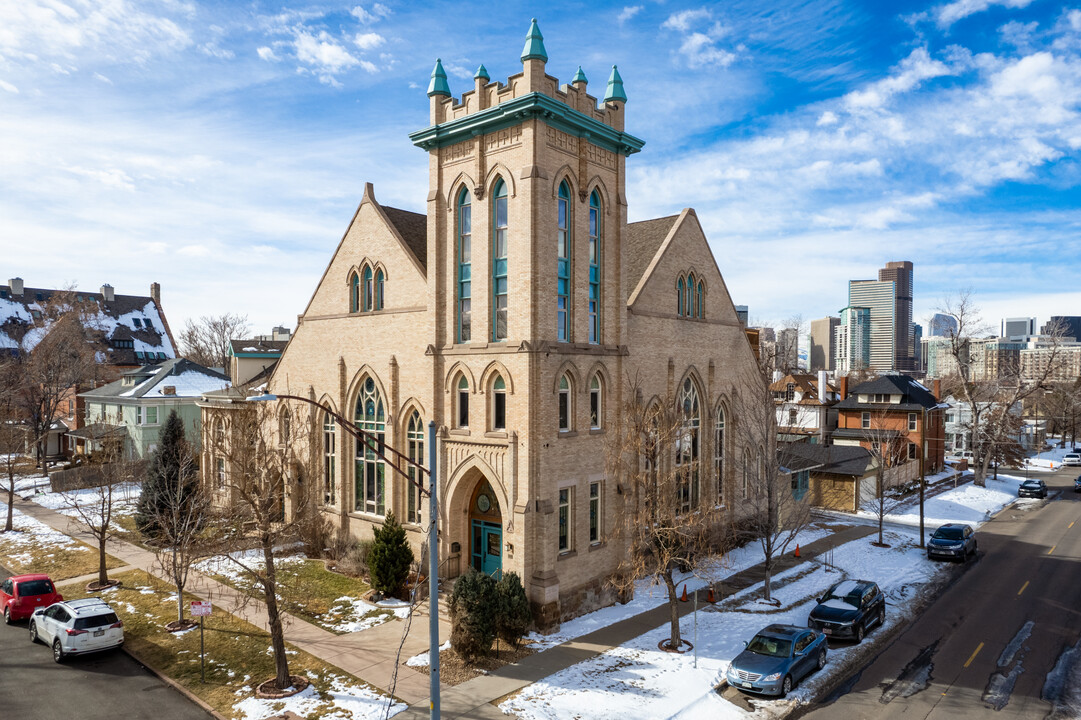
point(188, 379)
point(833, 459)
point(128, 324)
point(239, 347)
point(641, 242)
point(914, 396)
point(413, 227)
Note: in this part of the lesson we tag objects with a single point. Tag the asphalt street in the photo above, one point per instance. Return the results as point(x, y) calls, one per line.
point(102, 686)
point(985, 646)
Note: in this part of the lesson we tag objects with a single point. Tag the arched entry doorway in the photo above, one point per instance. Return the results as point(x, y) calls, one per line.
point(486, 531)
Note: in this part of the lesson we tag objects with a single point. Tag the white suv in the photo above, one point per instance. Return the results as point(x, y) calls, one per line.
point(1071, 459)
point(74, 627)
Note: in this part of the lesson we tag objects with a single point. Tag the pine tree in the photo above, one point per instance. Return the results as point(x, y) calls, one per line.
point(513, 617)
point(171, 475)
point(472, 612)
point(390, 557)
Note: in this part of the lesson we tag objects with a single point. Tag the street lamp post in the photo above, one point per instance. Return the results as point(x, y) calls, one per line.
point(374, 445)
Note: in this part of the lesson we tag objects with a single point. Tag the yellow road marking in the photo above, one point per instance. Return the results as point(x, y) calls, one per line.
point(1069, 526)
point(1023, 588)
point(1052, 549)
point(974, 653)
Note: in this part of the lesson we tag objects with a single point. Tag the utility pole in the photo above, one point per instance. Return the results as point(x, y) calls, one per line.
point(923, 465)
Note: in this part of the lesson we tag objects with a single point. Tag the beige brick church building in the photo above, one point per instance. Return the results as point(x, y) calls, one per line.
point(512, 314)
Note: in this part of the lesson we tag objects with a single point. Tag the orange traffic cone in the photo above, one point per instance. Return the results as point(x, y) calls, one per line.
point(797, 550)
point(711, 599)
point(684, 597)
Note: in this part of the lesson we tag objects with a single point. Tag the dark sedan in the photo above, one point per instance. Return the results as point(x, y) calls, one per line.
point(777, 658)
point(1032, 489)
point(848, 609)
point(1077, 484)
point(952, 541)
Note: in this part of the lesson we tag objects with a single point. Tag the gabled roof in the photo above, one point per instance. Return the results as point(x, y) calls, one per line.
point(262, 347)
point(189, 380)
point(641, 242)
point(833, 459)
point(413, 227)
point(914, 396)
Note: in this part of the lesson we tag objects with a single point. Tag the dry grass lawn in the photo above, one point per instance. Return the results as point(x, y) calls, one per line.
point(22, 552)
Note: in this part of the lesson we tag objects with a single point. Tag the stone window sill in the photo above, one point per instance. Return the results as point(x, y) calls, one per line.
point(566, 555)
point(502, 434)
point(462, 432)
point(567, 433)
point(597, 545)
point(596, 431)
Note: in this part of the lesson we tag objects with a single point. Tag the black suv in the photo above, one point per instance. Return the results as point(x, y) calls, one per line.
point(1032, 489)
point(848, 609)
point(952, 541)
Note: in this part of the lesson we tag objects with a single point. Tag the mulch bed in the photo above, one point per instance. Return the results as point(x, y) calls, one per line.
point(270, 691)
point(666, 645)
point(180, 625)
point(453, 670)
point(97, 587)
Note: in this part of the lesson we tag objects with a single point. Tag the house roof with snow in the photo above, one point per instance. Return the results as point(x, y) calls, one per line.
point(257, 348)
point(131, 328)
point(176, 378)
point(913, 395)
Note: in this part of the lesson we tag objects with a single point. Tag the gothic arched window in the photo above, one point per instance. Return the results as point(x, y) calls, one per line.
point(563, 263)
point(369, 491)
point(465, 225)
point(688, 446)
point(499, 262)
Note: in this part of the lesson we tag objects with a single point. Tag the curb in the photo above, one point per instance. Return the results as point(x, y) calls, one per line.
point(174, 684)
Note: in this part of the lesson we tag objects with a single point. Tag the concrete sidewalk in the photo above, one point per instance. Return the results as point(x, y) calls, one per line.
point(370, 655)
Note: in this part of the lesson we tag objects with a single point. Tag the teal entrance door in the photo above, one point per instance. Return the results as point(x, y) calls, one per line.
point(487, 548)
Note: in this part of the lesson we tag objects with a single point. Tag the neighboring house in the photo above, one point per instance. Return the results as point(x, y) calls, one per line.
point(958, 425)
point(129, 331)
point(140, 402)
point(803, 402)
point(893, 410)
point(842, 477)
point(512, 315)
point(253, 358)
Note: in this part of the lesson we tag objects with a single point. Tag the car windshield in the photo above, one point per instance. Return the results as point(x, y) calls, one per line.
point(771, 646)
point(948, 534)
point(28, 588)
point(96, 621)
point(847, 592)
point(1031, 483)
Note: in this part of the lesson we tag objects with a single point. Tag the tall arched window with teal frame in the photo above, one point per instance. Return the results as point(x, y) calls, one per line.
point(368, 290)
point(499, 262)
point(465, 232)
point(688, 302)
point(354, 292)
point(679, 296)
point(594, 302)
point(378, 303)
point(700, 300)
point(563, 262)
point(369, 490)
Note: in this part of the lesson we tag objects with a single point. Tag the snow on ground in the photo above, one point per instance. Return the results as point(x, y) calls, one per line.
point(640, 680)
point(27, 484)
point(33, 533)
point(125, 499)
point(964, 504)
point(340, 700)
point(422, 659)
point(1048, 460)
point(648, 596)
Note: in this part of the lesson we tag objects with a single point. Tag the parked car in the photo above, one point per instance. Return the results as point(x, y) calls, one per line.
point(848, 609)
point(1071, 458)
point(1032, 489)
point(76, 627)
point(20, 595)
point(952, 541)
point(777, 658)
point(1077, 484)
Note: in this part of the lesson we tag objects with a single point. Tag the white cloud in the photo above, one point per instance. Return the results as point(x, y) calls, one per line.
point(367, 17)
point(195, 251)
point(827, 118)
point(212, 49)
point(267, 54)
point(698, 46)
point(629, 12)
point(324, 54)
point(684, 20)
point(948, 14)
point(369, 67)
point(5, 85)
point(368, 40)
point(912, 71)
point(101, 78)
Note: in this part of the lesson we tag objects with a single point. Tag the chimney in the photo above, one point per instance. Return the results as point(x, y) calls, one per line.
point(16, 285)
point(936, 389)
point(823, 393)
point(107, 293)
point(169, 390)
point(842, 388)
point(155, 293)
point(777, 375)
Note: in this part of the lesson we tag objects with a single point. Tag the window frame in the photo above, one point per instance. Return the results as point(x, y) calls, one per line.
point(595, 508)
point(565, 404)
point(593, 299)
point(379, 296)
point(461, 402)
point(564, 264)
point(354, 292)
point(718, 452)
point(330, 458)
point(912, 422)
point(565, 520)
point(369, 480)
point(499, 404)
point(415, 440)
point(680, 285)
point(368, 290)
point(499, 283)
point(865, 420)
point(596, 402)
point(464, 265)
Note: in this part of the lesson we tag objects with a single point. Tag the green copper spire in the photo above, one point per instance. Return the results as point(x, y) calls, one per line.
point(482, 74)
point(615, 87)
point(534, 44)
point(579, 76)
point(438, 85)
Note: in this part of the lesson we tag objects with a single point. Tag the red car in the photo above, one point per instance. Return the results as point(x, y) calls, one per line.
point(20, 595)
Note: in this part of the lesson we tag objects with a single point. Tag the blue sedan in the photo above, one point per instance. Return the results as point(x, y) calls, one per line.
point(777, 658)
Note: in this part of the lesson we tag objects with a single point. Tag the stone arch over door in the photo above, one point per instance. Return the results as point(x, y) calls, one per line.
point(477, 512)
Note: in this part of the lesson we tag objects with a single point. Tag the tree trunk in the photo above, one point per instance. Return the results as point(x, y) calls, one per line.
point(881, 507)
point(103, 575)
point(674, 640)
point(11, 502)
point(768, 566)
point(277, 634)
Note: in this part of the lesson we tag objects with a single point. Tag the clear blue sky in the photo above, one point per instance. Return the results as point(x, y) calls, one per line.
point(220, 148)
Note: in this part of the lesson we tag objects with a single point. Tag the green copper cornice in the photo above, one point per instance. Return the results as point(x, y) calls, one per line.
point(579, 76)
point(534, 44)
point(615, 87)
point(482, 74)
point(438, 85)
point(515, 112)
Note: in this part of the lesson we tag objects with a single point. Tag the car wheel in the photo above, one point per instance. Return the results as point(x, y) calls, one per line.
point(786, 685)
point(7, 616)
point(822, 658)
point(882, 616)
point(58, 651)
point(33, 632)
point(859, 633)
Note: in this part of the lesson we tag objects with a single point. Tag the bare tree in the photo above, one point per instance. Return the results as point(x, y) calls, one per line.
point(774, 515)
point(982, 394)
point(889, 451)
point(96, 506)
point(666, 524)
point(12, 432)
point(206, 340)
point(269, 460)
point(180, 517)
